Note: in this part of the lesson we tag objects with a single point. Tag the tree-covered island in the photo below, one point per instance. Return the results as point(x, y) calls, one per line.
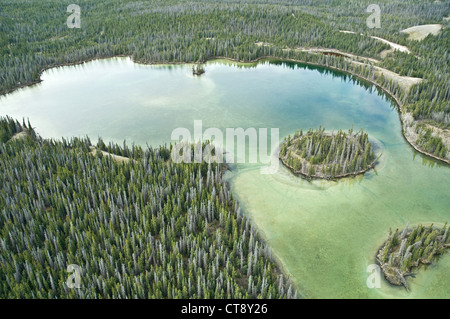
point(410, 248)
point(318, 154)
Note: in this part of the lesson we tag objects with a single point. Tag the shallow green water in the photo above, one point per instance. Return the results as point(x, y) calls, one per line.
point(324, 233)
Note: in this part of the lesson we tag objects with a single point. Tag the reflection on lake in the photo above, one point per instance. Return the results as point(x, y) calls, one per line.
point(324, 233)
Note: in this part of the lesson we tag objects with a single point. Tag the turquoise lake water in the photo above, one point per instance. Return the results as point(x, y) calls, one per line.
point(324, 233)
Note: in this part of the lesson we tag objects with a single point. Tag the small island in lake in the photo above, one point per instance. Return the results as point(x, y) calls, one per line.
point(317, 154)
point(412, 247)
point(198, 69)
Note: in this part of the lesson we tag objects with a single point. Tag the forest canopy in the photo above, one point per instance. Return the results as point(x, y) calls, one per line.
point(144, 228)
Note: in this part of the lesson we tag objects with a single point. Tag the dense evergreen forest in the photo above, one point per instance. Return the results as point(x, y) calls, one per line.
point(34, 36)
point(410, 248)
point(146, 228)
point(327, 155)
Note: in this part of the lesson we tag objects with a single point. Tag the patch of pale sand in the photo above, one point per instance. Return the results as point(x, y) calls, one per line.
point(393, 45)
point(447, 18)
point(20, 135)
point(405, 82)
point(348, 55)
point(117, 158)
point(260, 44)
point(56, 38)
point(384, 53)
point(409, 127)
point(420, 32)
point(444, 134)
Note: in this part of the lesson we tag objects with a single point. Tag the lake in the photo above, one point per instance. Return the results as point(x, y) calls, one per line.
point(324, 233)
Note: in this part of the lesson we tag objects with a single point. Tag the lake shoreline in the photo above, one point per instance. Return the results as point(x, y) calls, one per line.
point(263, 238)
point(385, 90)
point(398, 277)
point(335, 178)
